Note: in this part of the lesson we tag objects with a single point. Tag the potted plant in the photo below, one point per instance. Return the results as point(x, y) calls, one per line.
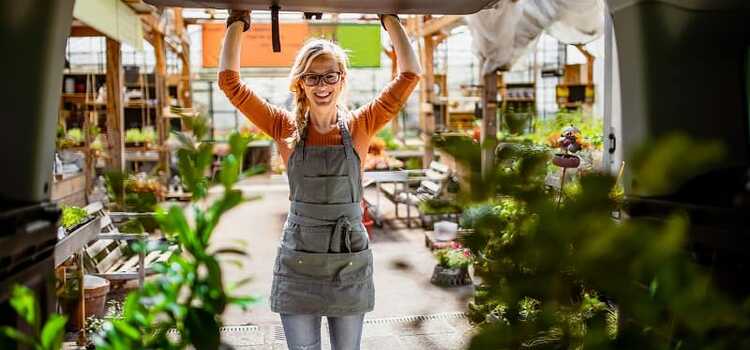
point(72, 218)
point(148, 136)
point(133, 137)
point(452, 268)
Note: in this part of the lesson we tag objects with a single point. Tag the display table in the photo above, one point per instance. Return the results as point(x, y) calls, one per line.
point(139, 157)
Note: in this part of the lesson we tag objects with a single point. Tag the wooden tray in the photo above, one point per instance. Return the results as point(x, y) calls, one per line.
point(449, 7)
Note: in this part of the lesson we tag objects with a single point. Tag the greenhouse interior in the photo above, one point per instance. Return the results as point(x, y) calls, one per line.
point(480, 175)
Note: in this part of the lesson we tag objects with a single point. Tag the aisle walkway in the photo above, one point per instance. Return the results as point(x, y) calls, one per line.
point(403, 266)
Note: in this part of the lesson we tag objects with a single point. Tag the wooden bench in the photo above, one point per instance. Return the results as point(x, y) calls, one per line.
point(432, 184)
point(108, 257)
point(388, 184)
point(395, 186)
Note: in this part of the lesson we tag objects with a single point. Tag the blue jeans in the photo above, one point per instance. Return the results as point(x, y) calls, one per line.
point(302, 332)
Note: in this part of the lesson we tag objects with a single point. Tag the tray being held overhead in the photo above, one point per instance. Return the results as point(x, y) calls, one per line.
point(450, 7)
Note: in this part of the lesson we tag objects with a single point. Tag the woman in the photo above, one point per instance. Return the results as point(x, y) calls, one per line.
point(324, 264)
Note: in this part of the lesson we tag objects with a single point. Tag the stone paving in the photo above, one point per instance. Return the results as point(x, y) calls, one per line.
point(410, 312)
point(447, 331)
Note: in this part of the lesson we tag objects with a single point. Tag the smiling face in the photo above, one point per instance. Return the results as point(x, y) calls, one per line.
point(322, 70)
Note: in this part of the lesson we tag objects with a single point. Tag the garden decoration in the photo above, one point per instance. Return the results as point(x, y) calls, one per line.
point(570, 142)
point(452, 268)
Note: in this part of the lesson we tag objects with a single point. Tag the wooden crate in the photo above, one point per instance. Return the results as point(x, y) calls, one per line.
point(69, 191)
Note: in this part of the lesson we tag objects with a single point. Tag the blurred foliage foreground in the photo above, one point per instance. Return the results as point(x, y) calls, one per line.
point(182, 306)
point(567, 275)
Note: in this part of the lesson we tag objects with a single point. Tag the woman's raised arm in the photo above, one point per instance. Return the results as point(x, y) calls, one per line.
point(270, 119)
point(407, 58)
point(230, 51)
point(392, 98)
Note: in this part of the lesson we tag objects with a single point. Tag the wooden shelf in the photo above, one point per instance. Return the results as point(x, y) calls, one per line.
point(79, 97)
point(140, 104)
point(76, 240)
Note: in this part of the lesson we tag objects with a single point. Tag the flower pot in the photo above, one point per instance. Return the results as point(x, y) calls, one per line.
point(566, 160)
point(96, 289)
point(95, 295)
point(450, 277)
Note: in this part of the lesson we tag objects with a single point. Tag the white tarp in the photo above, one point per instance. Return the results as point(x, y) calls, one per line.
point(112, 18)
point(503, 33)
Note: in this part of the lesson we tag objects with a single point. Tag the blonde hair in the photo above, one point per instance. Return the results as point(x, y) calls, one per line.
point(310, 51)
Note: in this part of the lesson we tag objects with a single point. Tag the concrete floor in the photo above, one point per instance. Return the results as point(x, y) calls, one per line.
point(403, 266)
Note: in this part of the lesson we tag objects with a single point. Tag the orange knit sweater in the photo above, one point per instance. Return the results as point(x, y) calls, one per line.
point(279, 123)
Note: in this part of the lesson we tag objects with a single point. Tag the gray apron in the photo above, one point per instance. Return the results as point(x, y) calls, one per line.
point(324, 263)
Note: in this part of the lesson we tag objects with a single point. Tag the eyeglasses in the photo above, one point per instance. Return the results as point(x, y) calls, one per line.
point(312, 79)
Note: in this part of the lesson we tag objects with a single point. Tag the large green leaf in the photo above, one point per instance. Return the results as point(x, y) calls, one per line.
point(25, 305)
point(231, 199)
point(238, 144)
point(16, 335)
point(185, 140)
point(53, 332)
point(230, 171)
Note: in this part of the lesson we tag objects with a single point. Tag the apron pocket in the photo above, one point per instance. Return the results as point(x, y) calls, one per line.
point(339, 189)
point(327, 268)
point(312, 189)
point(325, 189)
point(311, 239)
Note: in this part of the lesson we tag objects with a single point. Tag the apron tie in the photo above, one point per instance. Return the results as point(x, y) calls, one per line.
point(342, 231)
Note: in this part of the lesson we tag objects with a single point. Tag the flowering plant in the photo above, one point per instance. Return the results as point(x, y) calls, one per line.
point(454, 256)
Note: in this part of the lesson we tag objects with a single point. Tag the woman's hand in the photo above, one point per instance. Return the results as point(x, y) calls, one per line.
point(241, 16)
point(407, 59)
point(237, 22)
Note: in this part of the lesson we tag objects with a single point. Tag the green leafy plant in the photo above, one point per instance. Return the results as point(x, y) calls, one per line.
point(148, 135)
point(548, 130)
point(570, 277)
point(72, 216)
point(435, 206)
point(72, 138)
point(75, 134)
point(390, 140)
point(133, 135)
point(188, 294)
point(454, 257)
point(47, 336)
point(97, 144)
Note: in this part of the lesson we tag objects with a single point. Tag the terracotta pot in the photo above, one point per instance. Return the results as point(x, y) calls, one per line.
point(96, 289)
point(566, 160)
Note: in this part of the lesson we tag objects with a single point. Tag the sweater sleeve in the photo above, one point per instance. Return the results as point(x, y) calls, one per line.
point(382, 109)
point(272, 120)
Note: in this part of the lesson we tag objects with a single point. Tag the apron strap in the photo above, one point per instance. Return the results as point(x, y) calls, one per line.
point(347, 138)
point(351, 159)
